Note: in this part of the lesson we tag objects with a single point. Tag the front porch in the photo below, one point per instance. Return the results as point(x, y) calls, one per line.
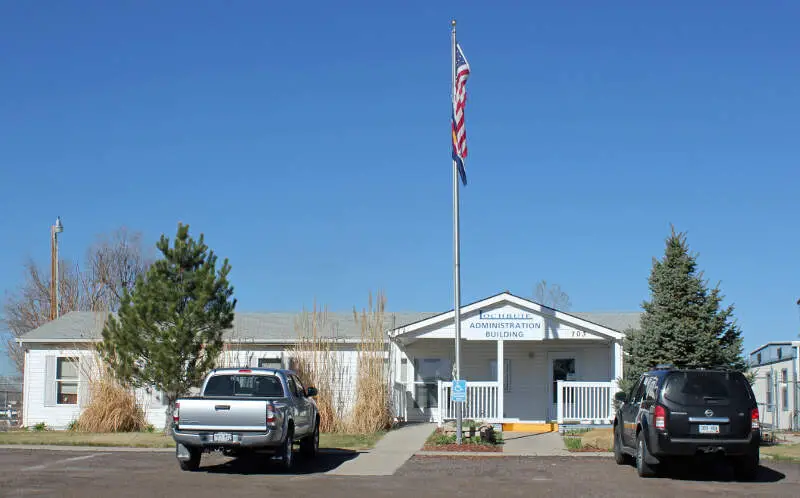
point(579, 403)
point(540, 368)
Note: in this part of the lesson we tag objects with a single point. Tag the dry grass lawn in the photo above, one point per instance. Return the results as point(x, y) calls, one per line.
point(158, 440)
point(68, 438)
point(592, 440)
point(599, 438)
point(782, 451)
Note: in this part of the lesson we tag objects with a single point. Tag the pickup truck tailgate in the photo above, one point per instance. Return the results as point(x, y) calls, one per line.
point(222, 414)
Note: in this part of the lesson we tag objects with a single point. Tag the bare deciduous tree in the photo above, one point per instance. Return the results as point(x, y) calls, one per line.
point(111, 266)
point(552, 296)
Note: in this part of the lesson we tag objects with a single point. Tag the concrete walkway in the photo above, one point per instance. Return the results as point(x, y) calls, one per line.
point(533, 444)
point(389, 454)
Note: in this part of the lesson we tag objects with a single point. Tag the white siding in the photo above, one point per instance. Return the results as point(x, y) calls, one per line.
point(775, 415)
point(35, 409)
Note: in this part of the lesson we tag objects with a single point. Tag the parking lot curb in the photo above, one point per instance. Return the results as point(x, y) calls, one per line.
point(53, 447)
point(131, 449)
point(578, 454)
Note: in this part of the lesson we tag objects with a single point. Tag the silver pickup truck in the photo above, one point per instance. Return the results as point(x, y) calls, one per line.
point(247, 411)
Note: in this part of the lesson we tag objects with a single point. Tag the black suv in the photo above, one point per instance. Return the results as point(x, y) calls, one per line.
point(688, 412)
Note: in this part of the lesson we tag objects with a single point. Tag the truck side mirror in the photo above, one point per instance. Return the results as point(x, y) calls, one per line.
point(311, 392)
point(621, 396)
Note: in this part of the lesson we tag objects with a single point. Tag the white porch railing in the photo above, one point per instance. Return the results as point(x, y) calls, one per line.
point(585, 402)
point(482, 402)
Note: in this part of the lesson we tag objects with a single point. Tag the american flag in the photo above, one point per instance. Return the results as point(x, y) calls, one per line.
point(459, 102)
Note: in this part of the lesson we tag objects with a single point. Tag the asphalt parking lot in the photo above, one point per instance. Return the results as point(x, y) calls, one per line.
point(66, 473)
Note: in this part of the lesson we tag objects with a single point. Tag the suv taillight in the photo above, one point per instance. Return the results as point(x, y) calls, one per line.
point(754, 424)
point(660, 416)
point(176, 415)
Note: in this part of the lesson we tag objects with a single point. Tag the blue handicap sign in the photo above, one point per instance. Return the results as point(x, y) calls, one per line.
point(459, 392)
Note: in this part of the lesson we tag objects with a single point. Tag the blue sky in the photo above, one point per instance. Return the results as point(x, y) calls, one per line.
point(310, 143)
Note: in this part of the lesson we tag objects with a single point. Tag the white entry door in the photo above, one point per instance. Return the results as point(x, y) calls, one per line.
point(561, 366)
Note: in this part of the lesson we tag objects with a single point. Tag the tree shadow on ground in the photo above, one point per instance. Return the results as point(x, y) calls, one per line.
point(714, 471)
point(326, 460)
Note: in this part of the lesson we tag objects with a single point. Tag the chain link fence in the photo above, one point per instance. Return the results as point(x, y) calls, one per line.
point(10, 402)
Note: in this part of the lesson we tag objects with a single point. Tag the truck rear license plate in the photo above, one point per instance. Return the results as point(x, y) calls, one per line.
point(709, 429)
point(223, 437)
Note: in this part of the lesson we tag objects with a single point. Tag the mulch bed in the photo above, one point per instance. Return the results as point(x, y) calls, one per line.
point(464, 447)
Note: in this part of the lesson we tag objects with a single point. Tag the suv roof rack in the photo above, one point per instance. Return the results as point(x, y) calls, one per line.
point(664, 366)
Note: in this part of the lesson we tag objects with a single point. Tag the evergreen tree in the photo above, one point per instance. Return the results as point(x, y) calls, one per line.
point(167, 334)
point(684, 323)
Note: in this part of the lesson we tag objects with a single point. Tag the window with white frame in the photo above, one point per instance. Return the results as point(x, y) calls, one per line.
point(769, 391)
point(506, 373)
point(428, 372)
point(785, 389)
point(66, 381)
point(275, 363)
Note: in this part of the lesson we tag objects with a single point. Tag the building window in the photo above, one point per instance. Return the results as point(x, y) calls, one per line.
point(784, 376)
point(769, 392)
point(404, 370)
point(428, 372)
point(506, 373)
point(67, 381)
point(780, 353)
point(275, 363)
point(432, 370)
point(758, 358)
point(785, 398)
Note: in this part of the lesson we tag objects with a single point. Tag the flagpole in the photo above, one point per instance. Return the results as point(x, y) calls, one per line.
point(456, 255)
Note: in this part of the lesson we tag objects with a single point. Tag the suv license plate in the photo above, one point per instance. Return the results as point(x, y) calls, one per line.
point(223, 437)
point(709, 429)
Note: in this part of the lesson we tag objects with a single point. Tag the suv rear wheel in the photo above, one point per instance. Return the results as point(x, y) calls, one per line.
point(642, 467)
point(746, 466)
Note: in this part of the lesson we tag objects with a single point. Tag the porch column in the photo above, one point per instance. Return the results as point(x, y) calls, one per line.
point(617, 363)
point(618, 373)
point(501, 375)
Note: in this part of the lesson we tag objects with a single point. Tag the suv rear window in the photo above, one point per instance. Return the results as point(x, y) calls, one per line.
point(256, 386)
point(700, 388)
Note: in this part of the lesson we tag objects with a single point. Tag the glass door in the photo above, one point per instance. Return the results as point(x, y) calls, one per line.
point(562, 367)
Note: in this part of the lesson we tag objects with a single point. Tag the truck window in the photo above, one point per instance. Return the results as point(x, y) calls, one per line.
point(301, 391)
point(292, 385)
point(256, 386)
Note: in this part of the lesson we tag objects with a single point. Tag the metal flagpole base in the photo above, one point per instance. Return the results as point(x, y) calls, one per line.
point(459, 435)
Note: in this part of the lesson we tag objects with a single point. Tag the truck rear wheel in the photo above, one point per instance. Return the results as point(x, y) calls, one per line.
point(193, 463)
point(287, 451)
point(309, 446)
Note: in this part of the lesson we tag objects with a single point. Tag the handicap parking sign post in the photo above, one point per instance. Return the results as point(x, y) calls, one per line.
point(459, 392)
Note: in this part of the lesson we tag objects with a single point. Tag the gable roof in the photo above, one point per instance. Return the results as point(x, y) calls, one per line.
point(279, 328)
point(612, 325)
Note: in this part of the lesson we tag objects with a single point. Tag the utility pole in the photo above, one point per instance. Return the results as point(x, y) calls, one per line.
point(55, 290)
